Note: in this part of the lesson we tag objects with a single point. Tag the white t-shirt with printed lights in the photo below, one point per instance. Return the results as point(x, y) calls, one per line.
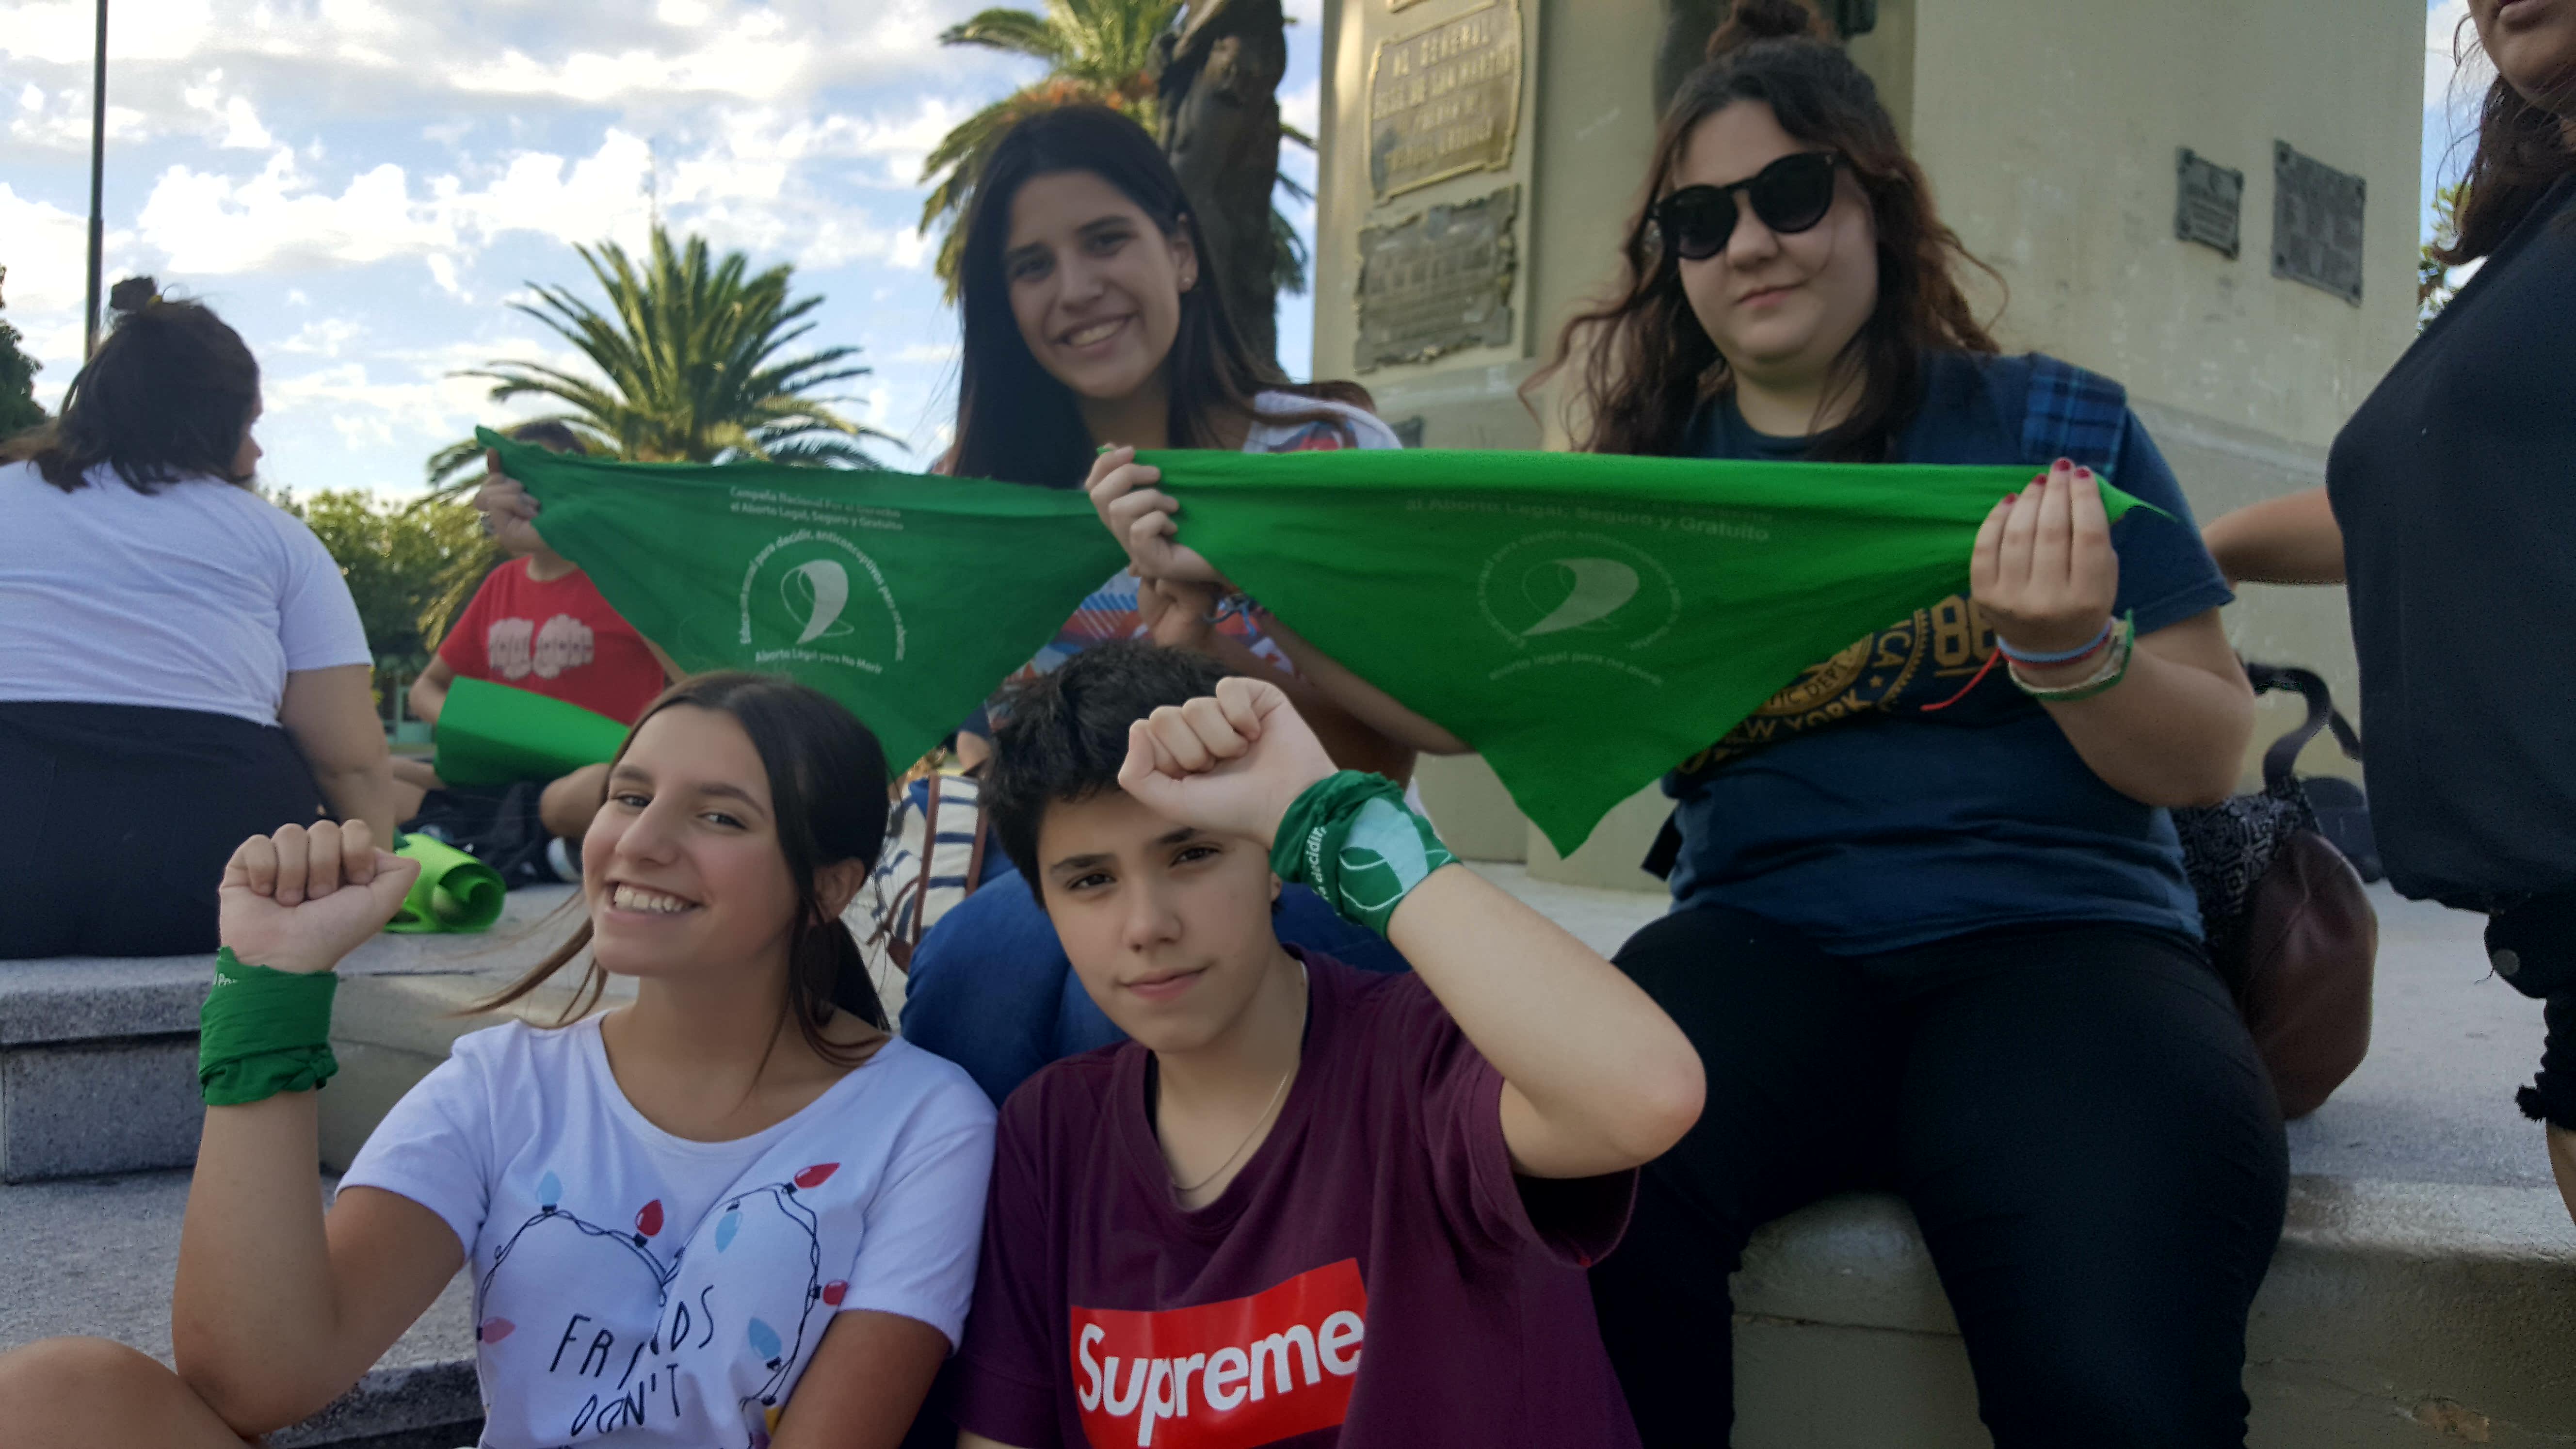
point(636, 1288)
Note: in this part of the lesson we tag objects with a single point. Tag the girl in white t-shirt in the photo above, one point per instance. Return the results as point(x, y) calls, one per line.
point(734, 1213)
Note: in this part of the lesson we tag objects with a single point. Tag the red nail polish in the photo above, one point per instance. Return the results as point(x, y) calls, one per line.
point(2061, 463)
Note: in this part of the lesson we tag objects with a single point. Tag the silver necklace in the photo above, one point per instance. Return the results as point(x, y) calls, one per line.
point(1185, 1189)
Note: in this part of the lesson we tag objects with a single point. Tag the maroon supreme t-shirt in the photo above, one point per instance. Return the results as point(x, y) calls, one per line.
point(1375, 1278)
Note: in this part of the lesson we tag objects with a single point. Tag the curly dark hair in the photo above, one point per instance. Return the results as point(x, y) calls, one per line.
point(2524, 146)
point(1647, 365)
point(169, 395)
point(1065, 734)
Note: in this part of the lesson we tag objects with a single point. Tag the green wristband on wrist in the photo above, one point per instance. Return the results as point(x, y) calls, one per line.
point(1352, 838)
point(263, 1032)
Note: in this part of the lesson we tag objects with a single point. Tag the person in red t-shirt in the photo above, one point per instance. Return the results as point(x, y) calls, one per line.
point(539, 624)
point(1303, 1205)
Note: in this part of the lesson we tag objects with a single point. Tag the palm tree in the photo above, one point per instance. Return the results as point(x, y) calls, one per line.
point(691, 353)
point(1097, 51)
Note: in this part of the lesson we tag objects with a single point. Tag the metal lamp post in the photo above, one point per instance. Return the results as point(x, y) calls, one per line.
point(97, 175)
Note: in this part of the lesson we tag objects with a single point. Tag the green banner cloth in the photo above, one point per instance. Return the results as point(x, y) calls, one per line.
point(492, 734)
point(453, 893)
point(907, 598)
point(1585, 621)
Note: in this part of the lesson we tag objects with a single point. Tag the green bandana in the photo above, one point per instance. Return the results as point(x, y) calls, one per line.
point(1584, 621)
point(492, 734)
point(263, 1032)
point(906, 598)
point(1352, 838)
point(454, 891)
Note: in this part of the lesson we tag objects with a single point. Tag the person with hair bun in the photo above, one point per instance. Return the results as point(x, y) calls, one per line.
point(1930, 928)
point(2446, 511)
point(180, 661)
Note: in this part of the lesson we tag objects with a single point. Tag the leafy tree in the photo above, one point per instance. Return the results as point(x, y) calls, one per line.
point(1095, 51)
point(2433, 284)
point(693, 367)
point(399, 560)
point(18, 408)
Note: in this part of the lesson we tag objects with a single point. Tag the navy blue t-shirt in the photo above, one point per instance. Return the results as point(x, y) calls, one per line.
point(1880, 801)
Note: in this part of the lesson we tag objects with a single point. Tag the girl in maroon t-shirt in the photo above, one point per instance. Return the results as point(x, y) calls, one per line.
point(1302, 1205)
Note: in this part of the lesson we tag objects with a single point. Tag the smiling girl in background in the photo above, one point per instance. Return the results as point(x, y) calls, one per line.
point(733, 1213)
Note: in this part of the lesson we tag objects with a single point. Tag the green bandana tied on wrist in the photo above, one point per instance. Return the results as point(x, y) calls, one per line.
point(1351, 837)
point(264, 1032)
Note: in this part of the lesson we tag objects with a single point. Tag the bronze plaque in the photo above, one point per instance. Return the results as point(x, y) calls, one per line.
point(1446, 100)
point(1438, 281)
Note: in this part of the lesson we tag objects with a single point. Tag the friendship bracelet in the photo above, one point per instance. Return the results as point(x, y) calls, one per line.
point(2114, 669)
point(2063, 656)
point(263, 1032)
point(1352, 838)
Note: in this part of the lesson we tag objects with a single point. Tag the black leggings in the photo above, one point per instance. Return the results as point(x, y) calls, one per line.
point(2076, 1116)
point(118, 819)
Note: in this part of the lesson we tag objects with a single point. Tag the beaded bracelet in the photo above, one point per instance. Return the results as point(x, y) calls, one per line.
point(2114, 668)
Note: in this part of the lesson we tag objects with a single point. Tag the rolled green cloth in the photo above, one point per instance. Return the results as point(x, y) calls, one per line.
point(455, 893)
point(1353, 839)
point(491, 734)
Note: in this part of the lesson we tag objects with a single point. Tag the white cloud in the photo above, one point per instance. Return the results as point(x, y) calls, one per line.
point(239, 125)
point(213, 224)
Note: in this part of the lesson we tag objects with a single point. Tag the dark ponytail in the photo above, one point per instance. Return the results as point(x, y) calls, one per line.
point(169, 394)
point(827, 793)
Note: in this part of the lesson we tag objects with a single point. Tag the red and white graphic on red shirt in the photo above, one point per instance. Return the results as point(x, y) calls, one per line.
point(517, 648)
point(1228, 1375)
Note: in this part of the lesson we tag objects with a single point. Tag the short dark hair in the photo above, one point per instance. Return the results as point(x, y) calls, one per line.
point(552, 436)
point(168, 395)
point(1065, 734)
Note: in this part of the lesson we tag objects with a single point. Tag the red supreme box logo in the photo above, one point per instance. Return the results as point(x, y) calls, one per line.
point(1228, 1375)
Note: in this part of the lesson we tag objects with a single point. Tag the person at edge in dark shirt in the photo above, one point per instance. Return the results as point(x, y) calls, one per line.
point(1302, 1204)
point(1930, 928)
point(2447, 513)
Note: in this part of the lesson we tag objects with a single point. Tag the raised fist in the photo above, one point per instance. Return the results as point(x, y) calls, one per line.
point(301, 899)
point(1230, 763)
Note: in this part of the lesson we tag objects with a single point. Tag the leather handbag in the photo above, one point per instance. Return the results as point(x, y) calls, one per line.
point(2289, 926)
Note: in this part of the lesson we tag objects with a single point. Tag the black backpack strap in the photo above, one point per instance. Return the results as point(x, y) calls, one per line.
point(2283, 756)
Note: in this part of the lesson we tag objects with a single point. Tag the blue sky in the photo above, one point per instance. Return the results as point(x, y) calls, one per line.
point(362, 185)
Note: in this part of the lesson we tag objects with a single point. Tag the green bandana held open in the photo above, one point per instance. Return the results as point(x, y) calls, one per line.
point(1351, 837)
point(263, 1032)
point(1585, 621)
point(907, 598)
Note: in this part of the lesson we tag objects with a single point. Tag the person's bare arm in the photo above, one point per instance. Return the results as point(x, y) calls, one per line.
point(1596, 1078)
point(2292, 539)
point(2173, 730)
point(279, 1309)
point(330, 714)
point(429, 692)
point(865, 1383)
point(1176, 614)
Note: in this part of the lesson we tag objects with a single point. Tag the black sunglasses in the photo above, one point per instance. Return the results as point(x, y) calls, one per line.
point(1791, 194)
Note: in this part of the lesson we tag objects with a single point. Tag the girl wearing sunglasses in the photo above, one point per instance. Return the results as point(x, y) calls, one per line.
point(1931, 930)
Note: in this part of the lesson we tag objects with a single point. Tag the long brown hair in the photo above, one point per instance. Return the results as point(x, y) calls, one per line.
point(1647, 363)
point(827, 793)
point(2523, 149)
point(1015, 421)
point(168, 395)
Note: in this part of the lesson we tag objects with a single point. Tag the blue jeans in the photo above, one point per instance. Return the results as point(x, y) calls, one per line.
point(991, 990)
